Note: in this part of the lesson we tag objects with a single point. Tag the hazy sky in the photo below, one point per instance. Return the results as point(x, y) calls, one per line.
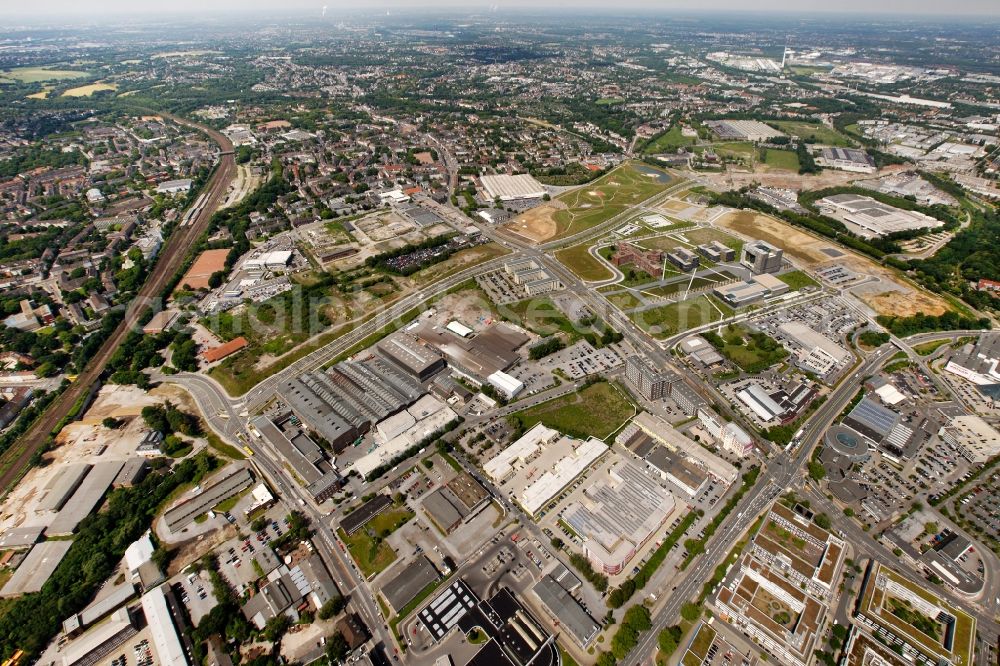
point(94, 7)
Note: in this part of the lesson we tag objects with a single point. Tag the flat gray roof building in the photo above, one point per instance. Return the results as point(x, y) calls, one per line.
point(86, 498)
point(566, 610)
point(357, 519)
point(18, 538)
point(224, 485)
point(36, 568)
point(407, 584)
point(416, 358)
point(62, 485)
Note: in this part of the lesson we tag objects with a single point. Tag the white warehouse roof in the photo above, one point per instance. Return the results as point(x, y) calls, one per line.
point(504, 382)
point(506, 187)
point(459, 329)
point(161, 627)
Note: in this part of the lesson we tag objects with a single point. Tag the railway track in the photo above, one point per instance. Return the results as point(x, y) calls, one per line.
point(15, 461)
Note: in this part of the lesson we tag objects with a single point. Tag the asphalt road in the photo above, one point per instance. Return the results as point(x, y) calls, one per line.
point(17, 458)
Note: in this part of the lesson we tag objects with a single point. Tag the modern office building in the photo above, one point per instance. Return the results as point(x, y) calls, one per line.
point(975, 439)
point(683, 258)
point(978, 362)
point(759, 287)
point(761, 257)
point(877, 615)
point(540, 464)
point(717, 252)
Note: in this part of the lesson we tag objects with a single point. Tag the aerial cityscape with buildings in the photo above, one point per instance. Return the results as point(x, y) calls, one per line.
point(467, 336)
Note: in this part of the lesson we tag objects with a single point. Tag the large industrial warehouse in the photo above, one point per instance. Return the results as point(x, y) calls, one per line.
point(617, 514)
point(873, 219)
point(509, 188)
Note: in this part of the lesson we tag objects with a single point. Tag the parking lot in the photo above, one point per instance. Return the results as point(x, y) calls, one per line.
point(582, 359)
point(978, 509)
point(243, 561)
point(195, 592)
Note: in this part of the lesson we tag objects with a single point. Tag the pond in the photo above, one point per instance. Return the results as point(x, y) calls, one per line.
point(656, 175)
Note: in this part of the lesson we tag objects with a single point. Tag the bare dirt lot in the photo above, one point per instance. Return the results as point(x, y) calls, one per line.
point(736, 179)
point(891, 296)
point(537, 224)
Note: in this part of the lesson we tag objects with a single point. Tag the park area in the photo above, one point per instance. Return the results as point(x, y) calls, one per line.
point(591, 204)
point(751, 350)
point(669, 142)
point(670, 319)
point(598, 410)
point(368, 547)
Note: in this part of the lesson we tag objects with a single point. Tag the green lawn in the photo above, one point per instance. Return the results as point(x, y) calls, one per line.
point(624, 300)
point(540, 316)
point(669, 142)
point(928, 348)
point(737, 148)
point(610, 195)
point(803, 130)
point(371, 553)
point(781, 159)
point(579, 260)
point(597, 410)
point(752, 351)
point(670, 319)
point(797, 280)
point(682, 285)
point(39, 74)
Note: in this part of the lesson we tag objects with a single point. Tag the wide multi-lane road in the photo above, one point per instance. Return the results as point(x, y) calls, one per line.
point(17, 458)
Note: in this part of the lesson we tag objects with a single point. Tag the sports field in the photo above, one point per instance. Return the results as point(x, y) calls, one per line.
point(591, 204)
point(781, 159)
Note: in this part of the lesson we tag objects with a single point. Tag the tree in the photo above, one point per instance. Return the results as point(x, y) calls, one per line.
point(606, 659)
point(215, 279)
point(332, 607)
point(690, 611)
point(816, 471)
point(823, 520)
point(337, 648)
point(276, 627)
point(669, 639)
point(111, 423)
